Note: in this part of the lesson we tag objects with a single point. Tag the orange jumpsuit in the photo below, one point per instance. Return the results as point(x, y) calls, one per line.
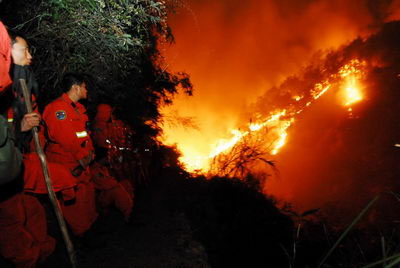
point(111, 133)
point(23, 217)
point(61, 179)
point(70, 142)
point(111, 192)
point(34, 182)
point(102, 123)
point(23, 236)
point(5, 58)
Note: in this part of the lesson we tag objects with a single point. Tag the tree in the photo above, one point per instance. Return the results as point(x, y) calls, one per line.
point(244, 160)
point(115, 41)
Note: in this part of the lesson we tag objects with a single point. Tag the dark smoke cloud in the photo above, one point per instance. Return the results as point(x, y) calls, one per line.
point(379, 9)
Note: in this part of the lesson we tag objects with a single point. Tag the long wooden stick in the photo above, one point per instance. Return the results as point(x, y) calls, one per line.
point(52, 195)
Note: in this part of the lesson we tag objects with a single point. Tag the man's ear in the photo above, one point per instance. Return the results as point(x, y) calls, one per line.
point(75, 87)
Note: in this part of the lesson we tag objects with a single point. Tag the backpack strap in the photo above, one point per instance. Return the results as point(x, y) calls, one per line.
point(10, 156)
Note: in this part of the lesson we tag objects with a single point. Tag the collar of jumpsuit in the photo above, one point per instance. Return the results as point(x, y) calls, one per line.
point(79, 109)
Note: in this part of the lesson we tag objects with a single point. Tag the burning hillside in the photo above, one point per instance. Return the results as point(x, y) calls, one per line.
point(321, 126)
point(343, 150)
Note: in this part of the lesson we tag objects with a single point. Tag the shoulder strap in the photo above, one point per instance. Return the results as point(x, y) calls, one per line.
point(10, 156)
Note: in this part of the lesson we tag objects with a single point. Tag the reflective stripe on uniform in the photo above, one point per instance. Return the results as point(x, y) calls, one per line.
point(82, 134)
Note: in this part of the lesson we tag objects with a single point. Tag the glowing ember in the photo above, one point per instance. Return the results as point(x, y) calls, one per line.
point(352, 73)
point(319, 90)
point(255, 127)
point(194, 163)
point(282, 140)
point(297, 98)
point(353, 93)
point(223, 145)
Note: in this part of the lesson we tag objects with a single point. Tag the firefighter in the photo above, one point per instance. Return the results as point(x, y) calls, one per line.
point(110, 191)
point(70, 145)
point(20, 120)
point(115, 137)
point(22, 240)
point(102, 126)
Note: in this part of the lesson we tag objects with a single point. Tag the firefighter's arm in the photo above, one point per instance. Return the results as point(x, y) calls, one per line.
point(31, 120)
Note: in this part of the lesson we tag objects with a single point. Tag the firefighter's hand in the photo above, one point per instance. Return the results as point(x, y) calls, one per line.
point(30, 121)
point(76, 172)
point(85, 162)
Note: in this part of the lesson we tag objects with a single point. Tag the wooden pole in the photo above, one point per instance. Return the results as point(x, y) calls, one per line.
point(52, 195)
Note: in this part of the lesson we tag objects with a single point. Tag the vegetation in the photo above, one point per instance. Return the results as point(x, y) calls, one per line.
point(238, 225)
point(116, 42)
point(246, 160)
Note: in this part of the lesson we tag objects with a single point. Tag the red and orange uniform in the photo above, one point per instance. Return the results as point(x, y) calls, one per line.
point(111, 192)
point(5, 58)
point(69, 143)
point(111, 133)
point(34, 182)
point(23, 236)
point(102, 125)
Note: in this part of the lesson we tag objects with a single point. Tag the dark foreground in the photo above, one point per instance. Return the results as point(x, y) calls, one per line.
point(181, 222)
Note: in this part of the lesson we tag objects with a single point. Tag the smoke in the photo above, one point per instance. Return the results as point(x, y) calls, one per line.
point(236, 50)
point(336, 161)
point(241, 56)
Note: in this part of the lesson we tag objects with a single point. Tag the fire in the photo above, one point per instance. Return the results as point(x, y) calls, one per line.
point(193, 162)
point(223, 145)
point(353, 93)
point(352, 73)
point(297, 98)
point(275, 122)
point(276, 125)
point(282, 140)
point(319, 90)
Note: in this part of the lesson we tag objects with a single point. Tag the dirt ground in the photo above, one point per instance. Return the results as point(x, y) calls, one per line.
point(182, 222)
point(158, 235)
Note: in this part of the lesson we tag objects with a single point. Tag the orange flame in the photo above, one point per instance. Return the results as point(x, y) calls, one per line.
point(278, 123)
point(352, 73)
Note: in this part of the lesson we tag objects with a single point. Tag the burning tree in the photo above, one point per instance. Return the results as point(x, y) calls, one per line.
point(244, 158)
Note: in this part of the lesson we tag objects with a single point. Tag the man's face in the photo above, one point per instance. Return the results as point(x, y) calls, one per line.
point(83, 91)
point(20, 52)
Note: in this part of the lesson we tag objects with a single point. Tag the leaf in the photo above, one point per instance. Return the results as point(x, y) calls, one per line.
point(354, 222)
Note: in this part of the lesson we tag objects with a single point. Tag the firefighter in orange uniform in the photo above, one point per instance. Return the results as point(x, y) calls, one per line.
point(70, 145)
point(23, 233)
point(110, 191)
point(34, 181)
point(102, 128)
point(19, 119)
point(113, 135)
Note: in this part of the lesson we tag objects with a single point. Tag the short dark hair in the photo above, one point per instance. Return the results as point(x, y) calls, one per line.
point(13, 36)
point(71, 79)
